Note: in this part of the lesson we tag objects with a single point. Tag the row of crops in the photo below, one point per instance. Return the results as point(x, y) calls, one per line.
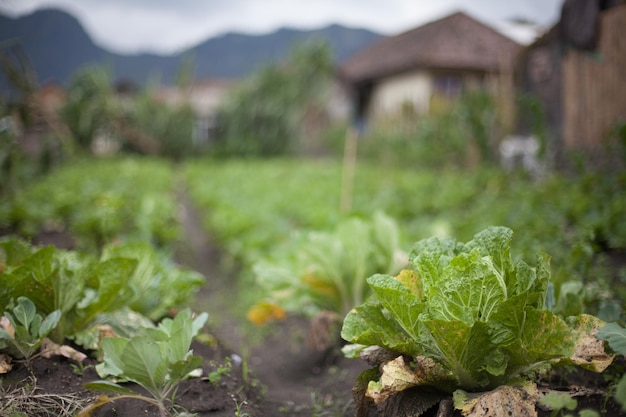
point(264, 212)
point(255, 209)
point(296, 252)
point(122, 219)
point(111, 291)
point(98, 201)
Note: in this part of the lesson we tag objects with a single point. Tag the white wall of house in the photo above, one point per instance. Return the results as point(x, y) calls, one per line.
point(204, 97)
point(338, 103)
point(391, 94)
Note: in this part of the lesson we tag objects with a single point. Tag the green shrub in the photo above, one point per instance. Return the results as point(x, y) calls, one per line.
point(464, 134)
point(263, 117)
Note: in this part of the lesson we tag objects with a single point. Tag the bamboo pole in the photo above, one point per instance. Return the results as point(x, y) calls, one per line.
point(349, 166)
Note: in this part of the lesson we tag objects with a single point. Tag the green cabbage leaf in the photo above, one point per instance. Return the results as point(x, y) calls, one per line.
point(470, 310)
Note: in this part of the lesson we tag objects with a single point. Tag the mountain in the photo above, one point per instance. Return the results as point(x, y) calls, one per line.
point(57, 46)
point(235, 54)
point(53, 41)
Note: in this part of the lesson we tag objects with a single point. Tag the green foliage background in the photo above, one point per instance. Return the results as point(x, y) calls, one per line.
point(264, 116)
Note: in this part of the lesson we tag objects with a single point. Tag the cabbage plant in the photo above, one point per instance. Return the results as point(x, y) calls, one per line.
point(467, 317)
point(157, 361)
point(23, 331)
point(80, 286)
point(326, 271)
point(615, 335)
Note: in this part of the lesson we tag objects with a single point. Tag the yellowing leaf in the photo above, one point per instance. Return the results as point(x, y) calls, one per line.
point(101, 400)
point(6, 325)
point(49, 349)
point(321, 286)
point(263, 312)
point(397, 376)
point(589, 350)
point(5, 363)
point(506, 400)
point(411, 280)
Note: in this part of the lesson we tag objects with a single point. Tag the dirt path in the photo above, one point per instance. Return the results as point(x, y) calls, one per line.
point(295, 380)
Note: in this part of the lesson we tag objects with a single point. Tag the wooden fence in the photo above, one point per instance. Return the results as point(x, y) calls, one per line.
point(594, 86)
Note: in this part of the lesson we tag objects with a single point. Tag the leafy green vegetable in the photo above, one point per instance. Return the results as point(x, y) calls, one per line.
point(327, 270)
point(159, 283)
point(574, 218)
point(79, 286)
point(505, 400)
point(558, 402)
point(26, 329)
point(157, 361)
point(471, 310)
point(121, 198)
point(615, 335)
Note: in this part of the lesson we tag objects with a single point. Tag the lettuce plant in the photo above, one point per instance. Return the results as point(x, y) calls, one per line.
point(157, 361)
point(81, 287)
point(160, 284)
point(327, 270)
point(468, 318)
point(128, 278)
point(23, 332)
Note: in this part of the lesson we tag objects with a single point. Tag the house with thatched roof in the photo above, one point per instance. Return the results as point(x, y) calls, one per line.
point(433, 63)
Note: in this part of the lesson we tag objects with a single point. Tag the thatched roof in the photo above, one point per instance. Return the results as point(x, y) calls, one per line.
point(453, 42)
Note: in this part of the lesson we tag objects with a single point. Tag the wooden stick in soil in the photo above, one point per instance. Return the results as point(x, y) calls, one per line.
point(349, 164)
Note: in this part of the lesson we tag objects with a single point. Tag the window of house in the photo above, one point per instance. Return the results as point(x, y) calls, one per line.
point(448, 85)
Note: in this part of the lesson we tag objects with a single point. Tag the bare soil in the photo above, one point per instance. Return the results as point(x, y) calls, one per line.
point(287, 375)
point(55, 388)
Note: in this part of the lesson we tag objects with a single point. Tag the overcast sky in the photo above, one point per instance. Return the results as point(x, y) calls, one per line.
point(168, 26)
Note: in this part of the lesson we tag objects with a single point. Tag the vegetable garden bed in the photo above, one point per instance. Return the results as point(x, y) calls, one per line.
point(282, 368)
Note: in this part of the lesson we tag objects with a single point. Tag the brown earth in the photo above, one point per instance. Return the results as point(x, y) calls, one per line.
point(292, 378)
point(55, 388)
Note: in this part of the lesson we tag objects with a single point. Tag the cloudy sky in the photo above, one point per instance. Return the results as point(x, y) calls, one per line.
point(167, 26)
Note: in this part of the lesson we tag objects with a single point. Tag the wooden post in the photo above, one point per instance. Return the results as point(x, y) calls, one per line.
point(349, 165)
